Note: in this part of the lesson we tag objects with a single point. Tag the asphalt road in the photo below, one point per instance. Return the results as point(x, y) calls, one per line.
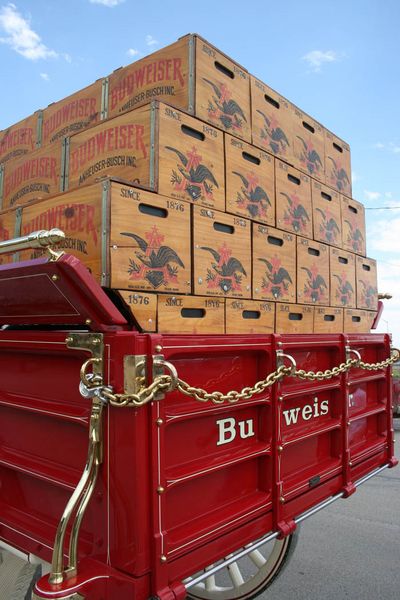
point(350, 549)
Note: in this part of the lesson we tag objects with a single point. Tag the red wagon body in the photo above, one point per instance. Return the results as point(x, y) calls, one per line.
point(181, 484)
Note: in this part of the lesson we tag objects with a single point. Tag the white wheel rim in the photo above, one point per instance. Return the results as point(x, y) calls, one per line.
point(246, 577)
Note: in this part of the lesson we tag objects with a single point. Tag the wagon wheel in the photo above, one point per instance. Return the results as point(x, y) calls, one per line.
point(249, 576)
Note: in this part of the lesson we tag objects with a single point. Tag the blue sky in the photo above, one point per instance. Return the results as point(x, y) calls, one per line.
point(338, 61)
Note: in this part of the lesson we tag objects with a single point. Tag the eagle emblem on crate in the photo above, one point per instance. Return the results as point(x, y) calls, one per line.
point(273, 136)
point(328, 227)
point(344, 291)
point(309, 157)
point(295, 215)
point(338, 176)
point(226, 272)
point(315, 288)
point(252, 197)
point(355, 238)
point(224, 109)
point(192, 176)
point(277, 280)
point(369, 294)
point(155, 263)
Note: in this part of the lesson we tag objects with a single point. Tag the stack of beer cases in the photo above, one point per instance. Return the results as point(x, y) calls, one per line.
point(208, 202)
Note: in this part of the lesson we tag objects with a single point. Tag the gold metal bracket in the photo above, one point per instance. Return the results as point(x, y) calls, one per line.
point(77, 504)
point(135, 373)
point(38, 239)
point(281, 357)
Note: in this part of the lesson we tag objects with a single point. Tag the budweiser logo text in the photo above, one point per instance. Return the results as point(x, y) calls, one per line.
point(44, 167)
point(84, 107)
point(161, 70)
point(70, 218)
point(123, 137)
point(307, 412)
point(18, 137)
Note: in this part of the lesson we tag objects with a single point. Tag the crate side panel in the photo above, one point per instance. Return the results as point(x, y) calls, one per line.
point(274, 264)
point(191, 314)
point(343, 278)
point(222, 91)
point(191, 159)
point(293, 200)
point(18, 139)
point(337, 164)
point(249, 316)
point(312, 272)
point(327, 216)
point(250, 181)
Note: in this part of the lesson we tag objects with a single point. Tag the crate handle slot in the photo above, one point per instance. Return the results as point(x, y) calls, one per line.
point(329, 317)
point(193, 313)
point(253, 159)
point(343, 260)
point(352, 209)
point(366, 267)
point(251, 314)
point(295, 316)
point(198, 135)
point(223, 227)
point(220, 67)
point(293, 179)
point(355, 319)
point(337, 147)
point(313, 251)
point(153, 211)
point(274, 240)
point(326, 196)
point(272, 101)
point(308, 127)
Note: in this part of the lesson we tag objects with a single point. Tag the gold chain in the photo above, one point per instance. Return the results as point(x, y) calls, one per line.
point(164, 383)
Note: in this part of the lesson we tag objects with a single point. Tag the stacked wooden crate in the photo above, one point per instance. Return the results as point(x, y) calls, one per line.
point(218, 207)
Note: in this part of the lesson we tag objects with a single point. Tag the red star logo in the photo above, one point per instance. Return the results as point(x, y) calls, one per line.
point(155, 238)
point(314, 271)
point(225, 94)
point(253, 181)
point(276, 263)
point(224, 255)
point(194, 159)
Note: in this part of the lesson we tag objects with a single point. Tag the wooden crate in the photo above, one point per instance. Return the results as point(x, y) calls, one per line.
point(353, 226)
point(337, 164)
point(294, 318)
point(72, 114)
point(32, 176)
point(274, 264)
point(128, 238)
point(142, 308)
point(9, 229)
point(19, 138)
point(249, 181)
point(312, 272)
point(308, 145)
point(191, 75)
point(366, 283)
point(358, 321)
point(328, 319)
point(191, 314)
point(272, 120)
point(157, 147)
point(293, 200)
point(343, 278)
point(249, 316)
point(221, 254)
point(327, 217)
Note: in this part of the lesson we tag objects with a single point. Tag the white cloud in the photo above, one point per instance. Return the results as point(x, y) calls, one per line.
point(133, 52)
point(150, 41)
point(379, 146)
point(317, 58)
point(109, 3)
point(45, 76)
point(384, 234)
point(372, 195)
point(20, 35)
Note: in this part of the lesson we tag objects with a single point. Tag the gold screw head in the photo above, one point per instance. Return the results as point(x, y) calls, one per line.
point(350, 464)
point(88, 321)
point(160, 489)
point(280, 449)
point(158, 348)
point(69, 340)
point(55, 277)
point(95, 341)
point(282, 500)
point(280, 398)
point(159, 422)
point(163, 558)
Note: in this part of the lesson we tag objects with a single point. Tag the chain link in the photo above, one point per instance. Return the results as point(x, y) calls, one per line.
point(165, 383)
